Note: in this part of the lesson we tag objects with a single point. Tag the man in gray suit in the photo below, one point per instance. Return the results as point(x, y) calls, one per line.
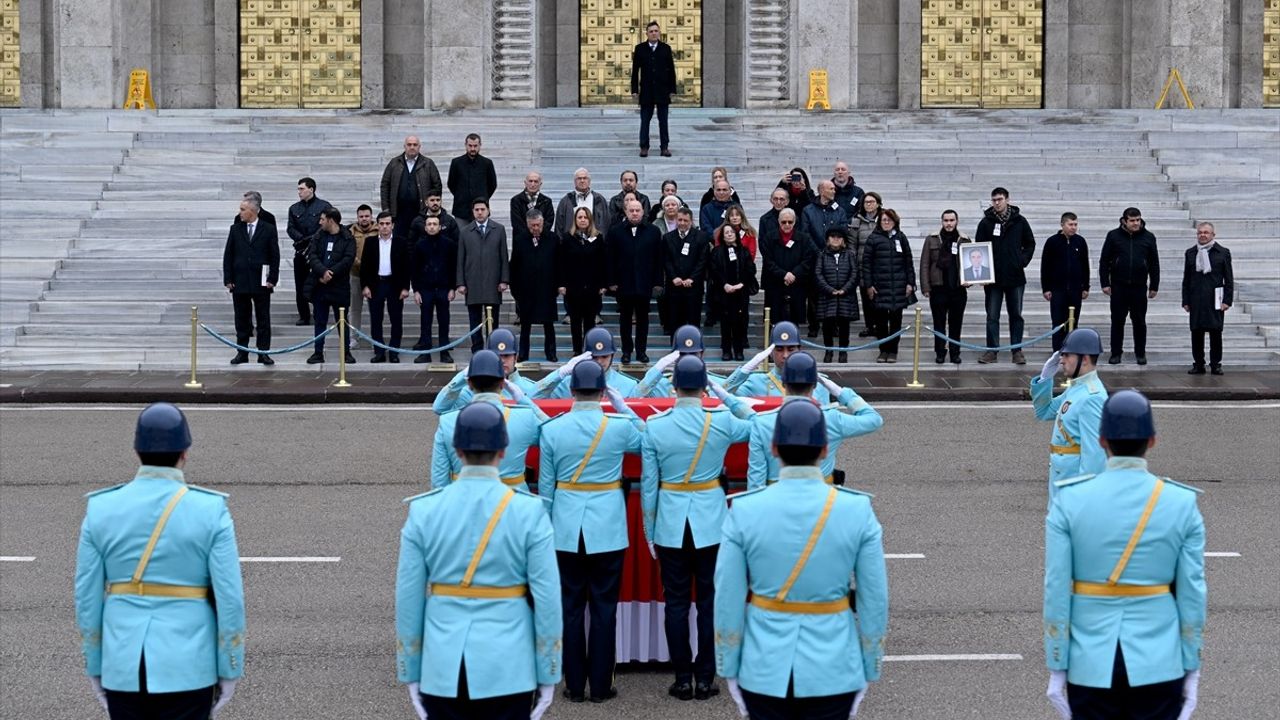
point(482, 267)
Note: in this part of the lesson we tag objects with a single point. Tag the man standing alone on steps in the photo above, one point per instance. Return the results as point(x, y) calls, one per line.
point(471, 176)
point(653, 82)
point(408, 180)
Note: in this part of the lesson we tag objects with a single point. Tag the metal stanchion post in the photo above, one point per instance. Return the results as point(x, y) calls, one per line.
point(915, 360)
point(1071, 325)
point(488, 323)
point(768, 328)
point(342, 349)
point(193, 383)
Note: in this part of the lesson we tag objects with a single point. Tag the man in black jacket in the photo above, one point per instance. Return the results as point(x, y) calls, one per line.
point(1129, 273)
point(433, 272)
point(685, 254)
point(635, 255)
point(384, 282)
point(788, 259)
point(250, 270)
point(653, 82)
point(629, 181)
point(304, 222)
point(330, 254)
point(406, 182)
point(1064, 274)
point(1012, 245)
point(531, 198)
point(471, 176)
point(431, 207)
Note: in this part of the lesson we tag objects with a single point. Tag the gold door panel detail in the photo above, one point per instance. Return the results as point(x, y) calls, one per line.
point(1271, 53)
point(300, 53)
point(609, 30)
point(10, 53)
point(982, 53)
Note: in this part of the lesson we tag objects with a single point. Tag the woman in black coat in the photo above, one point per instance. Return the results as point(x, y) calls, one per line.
point(836, 279)
point(733, 281)
point(582, 271)
point(888, 274)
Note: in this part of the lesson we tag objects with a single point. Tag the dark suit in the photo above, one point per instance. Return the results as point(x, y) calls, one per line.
point(242, 261)
point(335, 253)
point(653, 79)
point(385, 289)
point(635, 257)
point(520, 206)
point(975, 274)
point(685, 258)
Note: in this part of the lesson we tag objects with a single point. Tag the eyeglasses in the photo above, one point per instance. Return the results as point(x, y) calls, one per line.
point(786, 222)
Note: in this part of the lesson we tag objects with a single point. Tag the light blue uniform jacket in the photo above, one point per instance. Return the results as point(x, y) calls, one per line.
point(599, 517)
point(188, 644)
point(555, 387)
point(850, 418)
point(764, 536)
point(1078, 410)
point(457, 395)
point(524, 423)
point(669, 445)
point(657, 384)
point(758, 384)
point(508, 647)
point(1088, 527)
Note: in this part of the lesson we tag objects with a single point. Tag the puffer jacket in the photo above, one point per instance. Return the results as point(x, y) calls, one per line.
point(887, 266)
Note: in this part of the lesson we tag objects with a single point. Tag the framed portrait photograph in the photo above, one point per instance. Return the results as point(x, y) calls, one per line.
point(976, 267)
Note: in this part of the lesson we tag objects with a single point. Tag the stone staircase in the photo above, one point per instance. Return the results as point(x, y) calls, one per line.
point(112, 223)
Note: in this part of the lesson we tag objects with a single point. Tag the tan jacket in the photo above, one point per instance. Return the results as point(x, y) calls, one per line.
point(930, 272)
point(360, 236)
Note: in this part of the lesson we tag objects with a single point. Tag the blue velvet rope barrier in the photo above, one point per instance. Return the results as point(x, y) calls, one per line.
point(428, 351)
point(231, 343)
point(1018, 346)
point(877, 343)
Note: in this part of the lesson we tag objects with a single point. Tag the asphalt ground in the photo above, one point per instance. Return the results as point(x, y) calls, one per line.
point(964, 485)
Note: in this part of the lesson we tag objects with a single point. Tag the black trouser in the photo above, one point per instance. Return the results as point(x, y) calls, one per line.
point(1197, 347)
point(947, 306)
point(143, 705)
point(646, 117)
point(301, 271)
point(475, 314)
point(680, 567)
point(634, 309)
point(462, 707)
point(684, 307)
point(1129, 301)
point(835, 330)
point(583, 306)
point(433, 301)
point(1059, 301)
point(385, 295)
point(406, 212)
point(886, 323)
point(788, 304)
point(733, 323)
point(1158, 701)
point(822, 707)
point(249, 307)
point(548, 339)
point(320, 311)
point(589, 581)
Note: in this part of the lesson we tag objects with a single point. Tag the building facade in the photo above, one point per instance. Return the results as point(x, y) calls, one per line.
point(437, 54)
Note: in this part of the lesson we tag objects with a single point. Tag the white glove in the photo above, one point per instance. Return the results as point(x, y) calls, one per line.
point(96, 683)
point(831, 386)
point(546, 693)
point(1050, 367)
point(756, 359)
point(514, 390)
point(416, 698)
point(567, 369)
point(653, 552)
point(226, 690)
point(736, 693)
point(857, 701)
point(459, 381)
point(667, 360)
point(718, 390)
point(1190, 693)
point(1057, 693)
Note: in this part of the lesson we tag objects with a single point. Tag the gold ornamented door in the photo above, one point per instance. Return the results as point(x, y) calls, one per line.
point(300, 53)
point(982, 53)
point(10, 53)
point(609, 30)
point(1271, 53)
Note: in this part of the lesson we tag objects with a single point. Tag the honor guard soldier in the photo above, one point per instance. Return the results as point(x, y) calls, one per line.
point(1073, 448)
point(784, 339)
point(153, 555)
point(657, 381)
point(684, 508)
point(486, 378)
point(787, 642)
point(580, 472)
point(457, 394)
point(600, 348)
point(1124, 588)
point(849, 417)
point(477, 591)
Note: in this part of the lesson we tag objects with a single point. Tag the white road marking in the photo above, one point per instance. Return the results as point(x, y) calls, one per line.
point(290, 559)
point(951, 658)
point(17, 558)
point(904, 556)
point(1222, 554)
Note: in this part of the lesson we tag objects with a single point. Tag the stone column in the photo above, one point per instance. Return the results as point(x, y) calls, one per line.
point(828, 39)
point(1249, 61)
point(568, 53)
point(1189, 35)
point(226, 54)
point(715, 28)
point(1055, 60)
point(458, 34)
point(909, 28)
point(87, 65)
point(31, 60)
point(372, 57)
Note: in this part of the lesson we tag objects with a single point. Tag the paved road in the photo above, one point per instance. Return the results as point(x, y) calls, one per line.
point(962, 485)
